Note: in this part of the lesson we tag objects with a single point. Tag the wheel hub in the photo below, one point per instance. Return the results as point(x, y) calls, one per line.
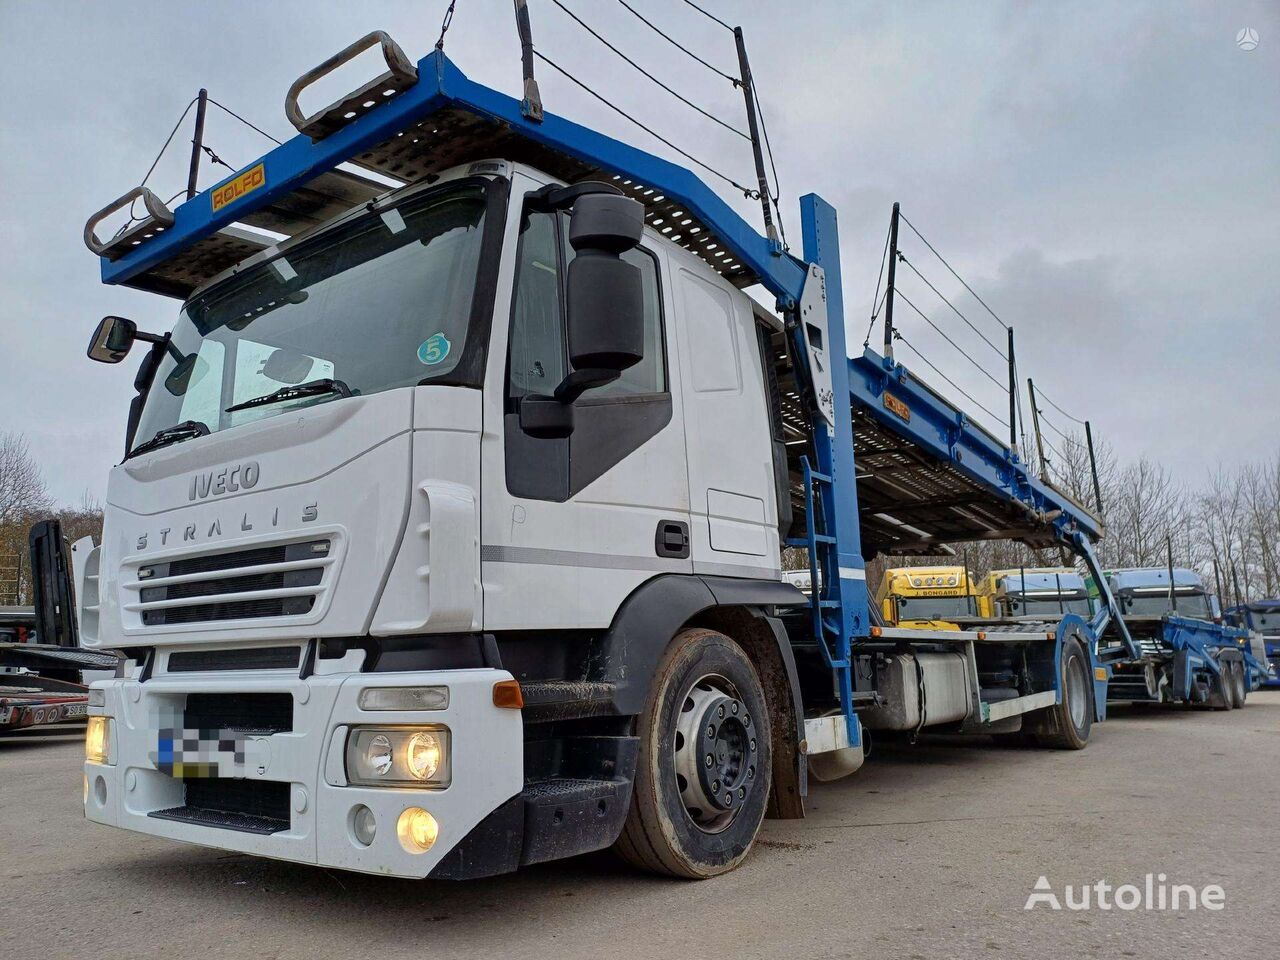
point(715, 753)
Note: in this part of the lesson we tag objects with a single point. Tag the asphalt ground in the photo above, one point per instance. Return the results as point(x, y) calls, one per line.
point(929, 851)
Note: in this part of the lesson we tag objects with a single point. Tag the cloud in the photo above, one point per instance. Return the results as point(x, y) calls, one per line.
point(1103, 174)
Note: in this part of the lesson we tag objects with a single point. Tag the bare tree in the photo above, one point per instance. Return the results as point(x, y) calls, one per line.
point(22, 488)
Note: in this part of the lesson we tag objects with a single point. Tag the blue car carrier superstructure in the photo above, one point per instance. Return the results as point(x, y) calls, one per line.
point(871, 459)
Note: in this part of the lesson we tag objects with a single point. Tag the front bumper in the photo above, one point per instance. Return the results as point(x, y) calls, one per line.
point(487, 757)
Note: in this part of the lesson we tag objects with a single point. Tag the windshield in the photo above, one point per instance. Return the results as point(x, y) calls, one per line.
point(935, 608)
point(1195, 605)
point(1050, 606)
point(379, 303)
point(1268, 622)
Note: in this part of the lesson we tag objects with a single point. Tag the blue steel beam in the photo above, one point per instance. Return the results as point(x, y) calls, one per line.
point(945, 432)
point(935, 425)
point(441, 85)
point(834, 449)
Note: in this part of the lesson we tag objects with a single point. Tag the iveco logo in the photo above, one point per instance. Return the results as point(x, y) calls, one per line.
point(227, 480)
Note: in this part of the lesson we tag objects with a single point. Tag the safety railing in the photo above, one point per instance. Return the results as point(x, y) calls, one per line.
point(1069, 465)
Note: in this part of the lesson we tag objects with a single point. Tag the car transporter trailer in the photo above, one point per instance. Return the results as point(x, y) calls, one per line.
point(490, 668)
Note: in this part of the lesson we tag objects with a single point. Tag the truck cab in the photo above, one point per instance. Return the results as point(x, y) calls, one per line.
point(925, 597)
point(1041, 593)
point(1144, 592)
point(310, 456)
point(1261, 617)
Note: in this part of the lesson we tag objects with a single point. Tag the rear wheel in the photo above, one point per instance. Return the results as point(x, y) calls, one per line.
point(702, 780)
point(1239, 687)
point(1066, 725)
point(1221, 686)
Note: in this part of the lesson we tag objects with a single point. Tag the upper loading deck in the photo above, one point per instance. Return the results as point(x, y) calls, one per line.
point(927, 475)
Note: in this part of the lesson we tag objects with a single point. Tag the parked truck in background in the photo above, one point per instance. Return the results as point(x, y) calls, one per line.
point(927, 597)
point(1262, 618)
point(1042, 593)
point(42, 668)
point(448, 535)
point(1186, 657)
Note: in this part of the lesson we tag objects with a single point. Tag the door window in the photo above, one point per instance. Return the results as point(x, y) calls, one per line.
point(538, 354)
point(610, 421)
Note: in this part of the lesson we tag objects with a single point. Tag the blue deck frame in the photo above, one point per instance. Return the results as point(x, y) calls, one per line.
point(935, 425)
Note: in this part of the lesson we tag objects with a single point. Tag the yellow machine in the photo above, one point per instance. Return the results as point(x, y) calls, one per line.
point(1033, 592)
point(926, 598)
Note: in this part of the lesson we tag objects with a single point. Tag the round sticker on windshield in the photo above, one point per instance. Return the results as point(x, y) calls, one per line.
point(434, 349)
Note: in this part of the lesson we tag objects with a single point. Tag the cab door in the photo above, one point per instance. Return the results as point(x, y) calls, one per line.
point(729, 444)
point(571, 526)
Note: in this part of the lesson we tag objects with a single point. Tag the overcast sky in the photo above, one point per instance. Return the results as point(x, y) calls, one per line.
point(1106, 176)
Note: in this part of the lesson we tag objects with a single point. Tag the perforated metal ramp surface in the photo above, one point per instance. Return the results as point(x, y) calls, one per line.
point(454, 136)
point(442, 121)
point(910, 501)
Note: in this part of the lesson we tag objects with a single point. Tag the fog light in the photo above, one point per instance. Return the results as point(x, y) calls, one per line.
point(417, 830)
point(363, 824)
point(97, 740)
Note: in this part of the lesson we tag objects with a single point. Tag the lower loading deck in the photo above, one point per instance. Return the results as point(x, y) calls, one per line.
point(984, 679)
point(991, 701)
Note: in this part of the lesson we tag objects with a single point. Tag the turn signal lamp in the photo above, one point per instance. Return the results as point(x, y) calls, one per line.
point(506, 693)
point(97, 740)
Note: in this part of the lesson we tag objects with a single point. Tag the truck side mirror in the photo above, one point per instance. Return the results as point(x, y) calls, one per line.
point(112, 340)
point(605, 310)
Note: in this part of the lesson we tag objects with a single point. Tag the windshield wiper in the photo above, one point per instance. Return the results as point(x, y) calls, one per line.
point(179, 431)
point(312, 388)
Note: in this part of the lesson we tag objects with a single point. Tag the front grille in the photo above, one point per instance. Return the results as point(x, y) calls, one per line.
point(253, 658)
point(251, 806)
point(230, 610)
point(189, 590)
point(226, 561)
point(263, 713)
point(206, 588)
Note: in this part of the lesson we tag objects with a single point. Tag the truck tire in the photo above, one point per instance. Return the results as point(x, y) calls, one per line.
point(703, 777)
point(1066, 725)
point(1239, 687)
point(1220, 688)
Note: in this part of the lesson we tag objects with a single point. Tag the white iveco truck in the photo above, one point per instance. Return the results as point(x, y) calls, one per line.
point(448, 534)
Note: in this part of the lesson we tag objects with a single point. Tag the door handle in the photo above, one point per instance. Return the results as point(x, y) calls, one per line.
point(672, 539)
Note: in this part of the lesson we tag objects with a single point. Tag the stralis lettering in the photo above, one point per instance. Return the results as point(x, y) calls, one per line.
point(227, 480)
point(243, 523)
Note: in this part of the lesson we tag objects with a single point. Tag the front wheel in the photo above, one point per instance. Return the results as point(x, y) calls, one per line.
point(703, 776)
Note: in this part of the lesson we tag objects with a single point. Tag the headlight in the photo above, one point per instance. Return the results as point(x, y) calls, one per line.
point(97, 740)
point(399, 756)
